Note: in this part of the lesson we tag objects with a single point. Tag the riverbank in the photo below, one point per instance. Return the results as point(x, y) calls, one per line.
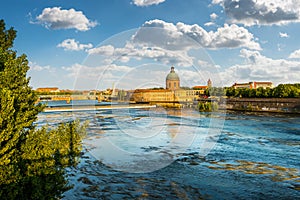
point(269, 105)
point(273, 105)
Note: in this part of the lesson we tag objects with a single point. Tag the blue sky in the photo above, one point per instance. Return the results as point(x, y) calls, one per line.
point(94, 44)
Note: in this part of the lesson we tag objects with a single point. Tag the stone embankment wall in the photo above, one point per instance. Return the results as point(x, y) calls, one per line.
point(285, 105)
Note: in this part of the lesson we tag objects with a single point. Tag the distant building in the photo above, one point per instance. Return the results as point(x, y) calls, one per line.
point(165, 95)
point(202, 88)
point(48, 89)
point(263, 85)
point(253, 85)
point(172, 93)
point(209, 83)
point(172, 80)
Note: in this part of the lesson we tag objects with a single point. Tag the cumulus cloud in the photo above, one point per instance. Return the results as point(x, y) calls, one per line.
point(57, 18)
point(283, 35)
point(233, 36)
point(258, 67)
point(107, 50)
point(87, 72)
point(42, 76)
point(147, 2)
point(183, 36)
point(137, 52)
point(209, 24)
point(213, 16)
point(261, 12)
point(98, 77)
point(88, 77)
point(295, 54)
point(35, 67)
point(170, 44)
point(72, 45)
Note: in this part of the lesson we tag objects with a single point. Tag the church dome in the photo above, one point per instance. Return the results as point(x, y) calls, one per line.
point(172, 75)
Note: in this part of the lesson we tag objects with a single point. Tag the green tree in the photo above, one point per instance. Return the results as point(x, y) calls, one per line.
point(215, 91)
point(252, 93)
point(280, 91)
point(18, 109)
point(244, 92)
point(32, 160)
point(230, 91)
point(208, 106)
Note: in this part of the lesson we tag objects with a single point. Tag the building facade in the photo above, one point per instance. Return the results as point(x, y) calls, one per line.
point(172, 93)
point(253, 85)
point(48, 89)
point(165, 95)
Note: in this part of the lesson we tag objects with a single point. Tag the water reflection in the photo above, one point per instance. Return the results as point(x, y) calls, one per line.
point(42, 185)
point(143, 140)
point(255, 157)
point(36, 167)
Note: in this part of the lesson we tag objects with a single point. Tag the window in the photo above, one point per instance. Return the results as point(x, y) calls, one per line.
point(174, 84)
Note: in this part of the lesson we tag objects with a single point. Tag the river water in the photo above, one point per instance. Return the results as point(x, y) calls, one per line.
point(158, 153)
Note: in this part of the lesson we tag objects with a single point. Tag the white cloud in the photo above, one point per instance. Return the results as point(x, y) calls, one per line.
point(213, 16)
point(283, 35)
point(57, 18)
point(217, 1)
point(98, 77)
point(72, 45)
point(261, 68)
point(209, 24)
point(42, 76)
point(137, 52)
point(183, 36)
point(35, 67)
point(170, 44)
point(233, 36)
point(107, 50)
point(295, 54)
point(261, 12)
point(87, 72)
point(207, 65)
point(147, 2)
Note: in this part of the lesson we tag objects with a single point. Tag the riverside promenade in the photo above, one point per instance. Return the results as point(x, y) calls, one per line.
point(280, 105)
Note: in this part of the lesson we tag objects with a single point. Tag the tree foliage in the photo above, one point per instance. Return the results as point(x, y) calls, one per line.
point(32, 160)
point(215, 91)
point(208, 106)
point(281, 91)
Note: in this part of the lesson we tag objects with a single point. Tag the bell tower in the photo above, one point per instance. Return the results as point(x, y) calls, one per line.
point(209, 83)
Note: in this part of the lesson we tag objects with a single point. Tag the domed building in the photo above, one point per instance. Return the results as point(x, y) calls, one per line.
point(173, 95)
point(172, 80)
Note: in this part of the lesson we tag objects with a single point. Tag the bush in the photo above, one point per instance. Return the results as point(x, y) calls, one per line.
point(208, 106)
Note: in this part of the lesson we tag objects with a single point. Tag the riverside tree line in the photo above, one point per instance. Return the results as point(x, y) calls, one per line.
point(281, 91)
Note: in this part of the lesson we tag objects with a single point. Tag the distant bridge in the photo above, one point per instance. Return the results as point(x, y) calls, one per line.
point(92, 108)
point(66, 98)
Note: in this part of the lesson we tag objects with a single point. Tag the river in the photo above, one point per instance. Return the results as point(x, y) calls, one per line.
point(159, 153)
